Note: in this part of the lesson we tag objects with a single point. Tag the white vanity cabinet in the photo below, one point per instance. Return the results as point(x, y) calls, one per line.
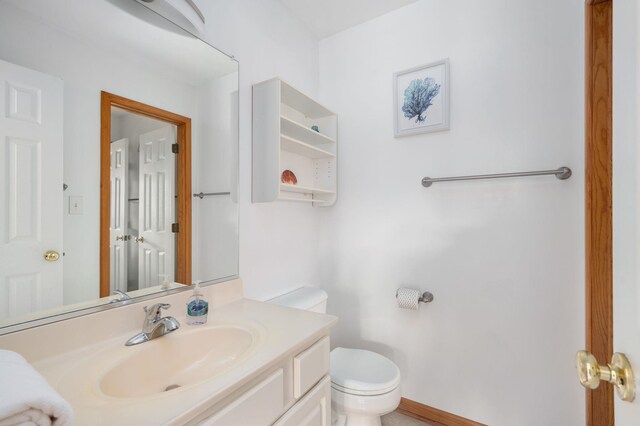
point(295, 392)
point(260, 405)
point(314, 409)
point(292, 133)
point(279, 373)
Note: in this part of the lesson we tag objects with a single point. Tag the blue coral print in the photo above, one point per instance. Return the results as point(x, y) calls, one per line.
point(418, 97)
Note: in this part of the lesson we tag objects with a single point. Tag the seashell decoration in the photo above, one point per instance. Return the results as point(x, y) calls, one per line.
point(288, 177)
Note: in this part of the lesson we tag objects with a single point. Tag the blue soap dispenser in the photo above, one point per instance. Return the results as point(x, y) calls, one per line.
point(197, 307)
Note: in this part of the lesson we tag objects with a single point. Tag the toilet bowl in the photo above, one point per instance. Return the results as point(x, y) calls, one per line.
point(364, 385)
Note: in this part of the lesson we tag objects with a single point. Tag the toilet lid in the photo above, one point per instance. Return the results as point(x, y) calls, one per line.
point(361, 372)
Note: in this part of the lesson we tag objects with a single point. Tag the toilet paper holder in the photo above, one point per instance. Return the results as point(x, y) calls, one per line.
point(427, 297)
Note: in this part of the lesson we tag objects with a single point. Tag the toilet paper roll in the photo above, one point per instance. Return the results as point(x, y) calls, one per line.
point(408, 298)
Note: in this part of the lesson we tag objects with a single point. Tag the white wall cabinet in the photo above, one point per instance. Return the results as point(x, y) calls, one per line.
point(295, 392)
point(284, 139)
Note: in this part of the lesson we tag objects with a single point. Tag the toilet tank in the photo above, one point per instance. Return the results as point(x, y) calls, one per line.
point(307, 298)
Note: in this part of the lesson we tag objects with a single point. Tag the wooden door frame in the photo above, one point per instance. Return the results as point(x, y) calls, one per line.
point(598, 199)
point(183, 183)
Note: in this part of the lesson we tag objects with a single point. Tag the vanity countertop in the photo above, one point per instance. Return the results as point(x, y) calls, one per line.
point(278, 331)
point(76, 374)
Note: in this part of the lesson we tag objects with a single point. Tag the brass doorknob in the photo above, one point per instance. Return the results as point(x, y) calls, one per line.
point(619, 373)
point(120, 238)
point(51, 256)
point(139, 239)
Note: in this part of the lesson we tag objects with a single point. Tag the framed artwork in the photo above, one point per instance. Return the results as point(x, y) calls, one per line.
point(421, 99)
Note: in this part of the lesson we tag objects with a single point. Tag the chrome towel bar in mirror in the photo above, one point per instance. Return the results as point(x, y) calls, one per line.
point(201, 195)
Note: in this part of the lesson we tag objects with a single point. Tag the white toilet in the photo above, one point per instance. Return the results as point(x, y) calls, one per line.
point(364, 385)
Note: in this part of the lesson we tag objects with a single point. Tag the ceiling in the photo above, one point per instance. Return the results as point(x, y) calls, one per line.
point(327, 17)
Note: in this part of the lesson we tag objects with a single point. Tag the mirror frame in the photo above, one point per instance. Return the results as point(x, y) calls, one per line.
point(183, 183)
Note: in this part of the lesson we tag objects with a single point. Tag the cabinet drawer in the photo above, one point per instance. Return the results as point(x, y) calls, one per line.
point(312, 410)
point(261, 405)
point(310, 366)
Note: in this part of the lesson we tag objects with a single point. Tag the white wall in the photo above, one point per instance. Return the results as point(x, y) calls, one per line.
point(504, 259)
point(626, 175)
point(278, 241)
point(217, 161)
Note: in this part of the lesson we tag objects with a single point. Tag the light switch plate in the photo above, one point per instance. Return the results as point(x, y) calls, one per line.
point(75, 205)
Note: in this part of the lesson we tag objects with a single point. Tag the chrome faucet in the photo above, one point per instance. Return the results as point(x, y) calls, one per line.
point(154, 324)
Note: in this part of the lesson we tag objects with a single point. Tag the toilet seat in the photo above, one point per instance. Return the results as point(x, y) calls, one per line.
point(361, 372)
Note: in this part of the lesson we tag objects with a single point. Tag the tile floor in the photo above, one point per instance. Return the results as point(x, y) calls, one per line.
point(397, 419)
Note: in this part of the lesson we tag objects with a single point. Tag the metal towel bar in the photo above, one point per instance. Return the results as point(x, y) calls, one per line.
point(562, 173)
point(201, 195)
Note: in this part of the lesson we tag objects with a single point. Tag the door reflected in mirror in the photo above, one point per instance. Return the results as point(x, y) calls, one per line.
point(145, 193)
point(142, 224)
point(31, 190)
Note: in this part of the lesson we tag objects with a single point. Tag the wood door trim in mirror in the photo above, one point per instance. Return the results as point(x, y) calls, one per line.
point(183, 189)
point(598, 197)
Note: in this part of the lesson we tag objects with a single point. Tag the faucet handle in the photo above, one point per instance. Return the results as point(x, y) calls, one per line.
point(120, 296)
point(153, 311)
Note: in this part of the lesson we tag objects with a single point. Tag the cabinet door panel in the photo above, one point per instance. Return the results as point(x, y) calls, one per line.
point(310, 366)
point(312, 410)
point(259, 406)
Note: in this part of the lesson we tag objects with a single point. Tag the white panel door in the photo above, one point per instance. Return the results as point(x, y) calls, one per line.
point(31, 198)
point(118, 239)
point(156, 241)
point(626, 197)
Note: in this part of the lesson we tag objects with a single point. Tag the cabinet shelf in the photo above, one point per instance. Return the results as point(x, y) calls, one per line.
point(283, 140)
point(298, 131)
point(301, 102)
point(301, 148)
point(302, 200)
point(285, 187)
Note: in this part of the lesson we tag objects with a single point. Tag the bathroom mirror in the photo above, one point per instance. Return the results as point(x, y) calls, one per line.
point(119, 158)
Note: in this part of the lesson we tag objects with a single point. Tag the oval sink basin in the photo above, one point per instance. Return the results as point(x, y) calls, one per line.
point(176, 360)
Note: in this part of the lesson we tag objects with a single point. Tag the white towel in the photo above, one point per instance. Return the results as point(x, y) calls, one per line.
point(25, 396)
